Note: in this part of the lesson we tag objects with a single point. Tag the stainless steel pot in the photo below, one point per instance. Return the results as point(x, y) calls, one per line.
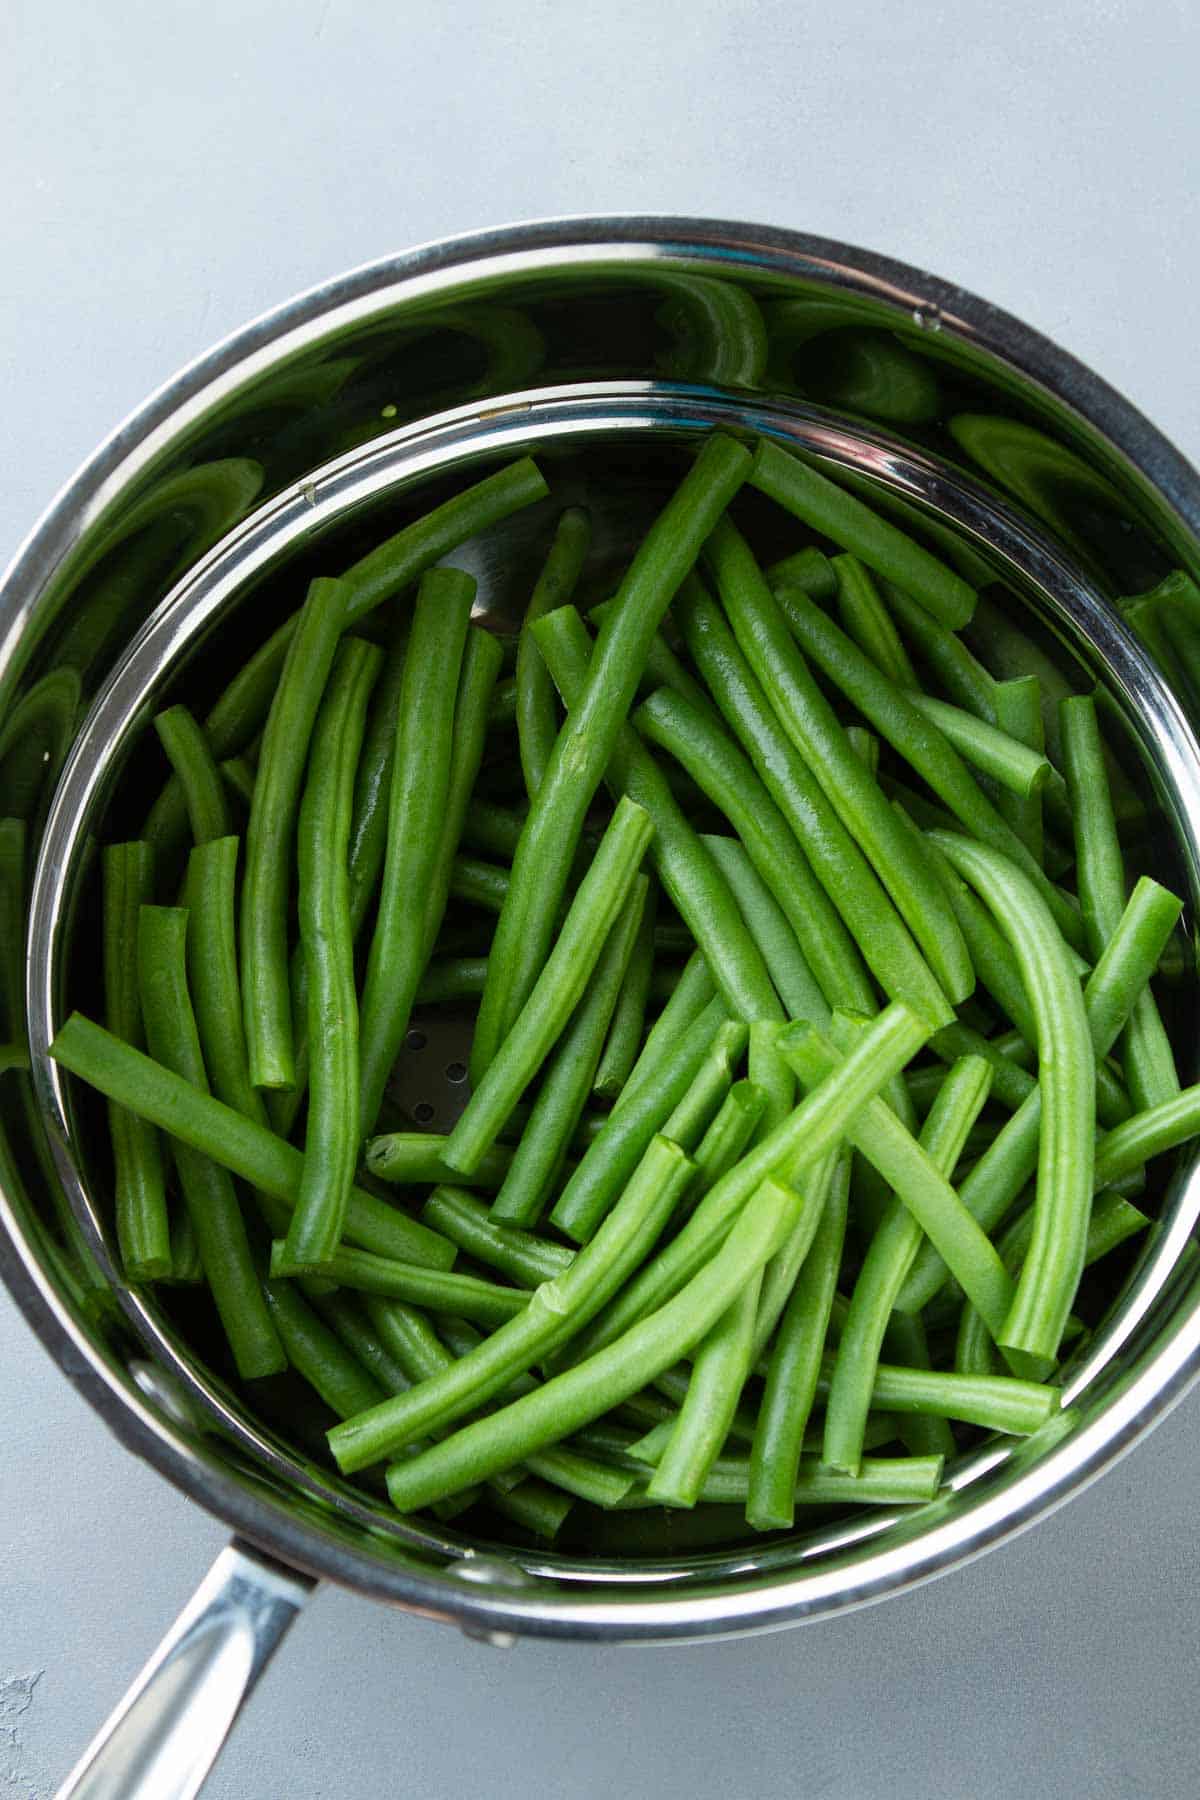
point(607, 343)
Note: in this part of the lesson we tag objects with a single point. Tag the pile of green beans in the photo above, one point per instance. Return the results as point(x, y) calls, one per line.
point(809, 1064)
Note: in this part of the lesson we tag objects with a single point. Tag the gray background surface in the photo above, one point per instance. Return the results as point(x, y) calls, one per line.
point(170, 171)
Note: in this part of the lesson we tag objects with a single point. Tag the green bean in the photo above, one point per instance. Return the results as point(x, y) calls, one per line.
point(190, 757)
point(1019, 713)
point(483, 1301)
point(883, 1481)
point(794, 981)
point(1001, 1174)
point(373, 780)
point(1146, 1050)
point(865, 746)
point(762, 633)
point(887, 550)
point(315, 1352)
point(502, 707)
point(688, 874)
point(139, 1197)
point(451, 978)
point(917, 1180)
point(211, 896)
point(536, 711)
point(784, 1268)
point(585, 1392)
point(887, 1262)
point(693, 736)
point(265, 992)
point(896, 717)
point(808, 1134)
point(839, 864)
point(555, 1311)
point(1066, 1070)
point(1148, 1134)
point(867, 620)
point(922, 1434)
point(1129, 959)
point(728, 1136)
point(809, 569)
point(239, 1144)
point(239, 775)
point(1014, 767)
point(624, 1038)
point(327, 942)
point(996, 1402)
point(691, 995)
point(609, 1161)
point(791, 1381)
point(721, 1362)
point(770, 1073)
point(415, 1158)
point(417, 807)
point(541, 1152)
point(492, 829)
point(585, 744)
point(1112, 1221)
point(479, 883)
point(663, 668)
point(961, 674)
point(209, 1196)
point(467, 1222)
point(597, 902)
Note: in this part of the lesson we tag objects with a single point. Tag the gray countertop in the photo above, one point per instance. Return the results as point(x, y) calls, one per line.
point(170, 171)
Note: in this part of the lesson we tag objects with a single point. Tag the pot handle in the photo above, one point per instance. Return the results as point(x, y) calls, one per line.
point(167, 1732)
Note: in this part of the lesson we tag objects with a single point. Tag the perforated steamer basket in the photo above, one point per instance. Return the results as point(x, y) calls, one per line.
point(611, 347)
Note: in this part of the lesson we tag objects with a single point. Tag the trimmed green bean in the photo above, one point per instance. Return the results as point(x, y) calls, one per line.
point(239, 1144)
point(208, 1192)
point(542, 1150)
point(417, 808)
point(762, 632)
point(721, 1362)
point(840, 866)
point(315, 1352)
point(1010, 763)
point(491, 829)
point(699, 743)
point(590, 917)
point(809, 569)
point(483, 1301)
point(327, 942)
point(730, 1134)
point(451, 978)
point(139, 1197)
point(416, 1158)
point(239, 775)
point(1019, 713)
point(536, 710)
point(878, 1134)
point(528, 1260)
point(995, 1402)
point(897, 717)
point(887, 550)
point(1146, 1050)
point(1150, 1133)
point(770, 1073)
point(689, 997)
point(808, 1134)
point(943, 652)
point(922, 1434)
point(373, 780)
point(688, 874)
point(583, 1393)
point(868, 622)
point(266, 996)
point(791, 1380)
point(882, 1481)
point(610, 1159)
point(585, 744)
point(556, 1311)
point(865, 746)
point(623, 1042)
point(192, 760)
point(768, 925)
point(887, 1262)
point(1067, 1084)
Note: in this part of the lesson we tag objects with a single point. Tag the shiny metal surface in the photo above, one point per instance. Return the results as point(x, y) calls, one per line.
point(164, 1737)
point(599, 331)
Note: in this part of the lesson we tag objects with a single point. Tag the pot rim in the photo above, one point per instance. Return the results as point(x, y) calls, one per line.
point(616, 1613)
